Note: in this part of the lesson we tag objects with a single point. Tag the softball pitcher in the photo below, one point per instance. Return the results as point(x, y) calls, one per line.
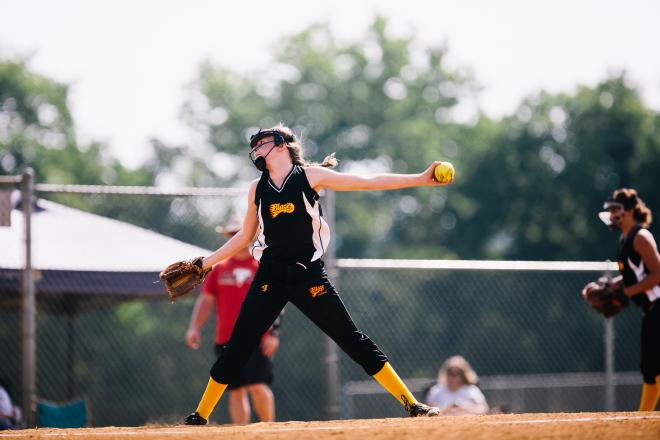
point(285, 216)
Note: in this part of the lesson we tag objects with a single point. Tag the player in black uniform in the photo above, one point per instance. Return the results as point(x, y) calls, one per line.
point(285, 217)
point(639, 266)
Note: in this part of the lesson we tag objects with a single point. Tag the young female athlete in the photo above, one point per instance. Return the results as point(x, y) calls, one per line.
point(639, 266)
point(285, 217)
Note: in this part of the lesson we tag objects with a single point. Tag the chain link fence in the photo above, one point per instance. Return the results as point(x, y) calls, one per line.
point(108, 334)
point(522, 325)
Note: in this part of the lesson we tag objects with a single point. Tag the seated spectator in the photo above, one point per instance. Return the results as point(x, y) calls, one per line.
point(456, 392)
point(10, 414)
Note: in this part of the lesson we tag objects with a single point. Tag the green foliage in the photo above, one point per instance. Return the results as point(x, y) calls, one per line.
point(539, 186)
point(528, 186)
point(381, 103)
point(37, 130)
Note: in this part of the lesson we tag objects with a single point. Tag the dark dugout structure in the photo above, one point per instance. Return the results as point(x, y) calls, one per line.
point(80, 262)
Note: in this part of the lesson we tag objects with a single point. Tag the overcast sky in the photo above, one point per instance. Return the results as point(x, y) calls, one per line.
point(128, 60)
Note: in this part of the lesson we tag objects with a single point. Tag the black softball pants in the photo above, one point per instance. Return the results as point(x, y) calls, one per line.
point(650, 343)
point(308, 288)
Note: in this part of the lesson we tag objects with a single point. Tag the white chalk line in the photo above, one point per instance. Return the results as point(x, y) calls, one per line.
point(143, 430)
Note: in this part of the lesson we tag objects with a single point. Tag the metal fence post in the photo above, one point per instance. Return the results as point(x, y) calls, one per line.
point(610, 390)
point(28, 304)
point(331, 353)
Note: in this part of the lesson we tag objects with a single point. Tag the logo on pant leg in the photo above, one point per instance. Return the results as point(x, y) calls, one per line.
point(315, 291)
point(264, 288)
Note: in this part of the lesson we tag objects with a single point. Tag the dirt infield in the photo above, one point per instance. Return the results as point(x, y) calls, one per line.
point(596, 426)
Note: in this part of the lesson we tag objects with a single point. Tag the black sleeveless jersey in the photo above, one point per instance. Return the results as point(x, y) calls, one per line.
point(631, 266)
point(291, 224)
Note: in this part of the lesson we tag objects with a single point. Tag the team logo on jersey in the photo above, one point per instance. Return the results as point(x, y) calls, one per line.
point(278, 208)
point(315, 291)
point(264, 288)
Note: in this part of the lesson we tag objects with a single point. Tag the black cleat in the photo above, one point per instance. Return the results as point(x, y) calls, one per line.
point(195, 419)
point(419, 409)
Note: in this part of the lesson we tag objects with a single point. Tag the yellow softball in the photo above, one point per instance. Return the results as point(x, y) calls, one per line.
point(444, 172)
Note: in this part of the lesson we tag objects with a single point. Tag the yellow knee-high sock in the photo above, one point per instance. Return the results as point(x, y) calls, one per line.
point(391, 381)
point(650, 394)
point(210, 398)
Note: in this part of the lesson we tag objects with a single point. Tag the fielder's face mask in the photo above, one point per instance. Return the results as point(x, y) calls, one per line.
point(613, 213)
point(260, 161)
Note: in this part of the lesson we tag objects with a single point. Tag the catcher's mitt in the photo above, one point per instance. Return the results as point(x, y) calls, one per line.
point(606, 296)
point(183, 276)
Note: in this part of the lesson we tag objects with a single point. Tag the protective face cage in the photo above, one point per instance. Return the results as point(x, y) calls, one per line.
point(278, 140)
point(610, 204)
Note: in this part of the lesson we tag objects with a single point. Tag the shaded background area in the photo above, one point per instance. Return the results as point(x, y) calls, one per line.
point(131, 363)
point(126, 355)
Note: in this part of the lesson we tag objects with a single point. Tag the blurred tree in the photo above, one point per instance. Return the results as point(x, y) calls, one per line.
point(37, 130)
point(383, 104)
point(537, 190)
point(389, 104)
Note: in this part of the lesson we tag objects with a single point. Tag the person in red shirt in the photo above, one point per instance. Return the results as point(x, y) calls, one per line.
point(226, 287)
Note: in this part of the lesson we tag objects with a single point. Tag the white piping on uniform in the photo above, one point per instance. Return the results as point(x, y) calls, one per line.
point(286, 179)
point(320, 229)
point(259, 246)
point(654, 292)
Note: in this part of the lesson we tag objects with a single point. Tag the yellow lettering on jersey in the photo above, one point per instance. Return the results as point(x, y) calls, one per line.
point(315, 291)
point(264, 288)
point(279, 208)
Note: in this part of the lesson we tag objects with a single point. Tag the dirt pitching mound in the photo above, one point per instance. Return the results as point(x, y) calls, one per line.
point(583, 426)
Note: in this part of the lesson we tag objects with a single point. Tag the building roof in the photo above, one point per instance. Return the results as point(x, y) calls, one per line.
point(84, 260)
point(65, 238)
